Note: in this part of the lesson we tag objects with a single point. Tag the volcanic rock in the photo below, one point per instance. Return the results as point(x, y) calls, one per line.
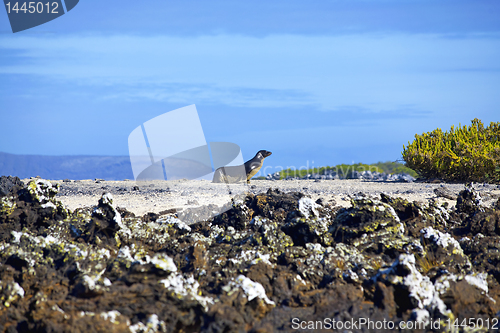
point(271, 259)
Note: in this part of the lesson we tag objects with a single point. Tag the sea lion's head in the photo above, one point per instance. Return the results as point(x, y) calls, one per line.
point(264, 153)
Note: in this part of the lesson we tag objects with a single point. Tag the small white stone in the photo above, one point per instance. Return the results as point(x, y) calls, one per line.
point(308, 207)
point(110, 315)
point(252, 289)
point(17, 236)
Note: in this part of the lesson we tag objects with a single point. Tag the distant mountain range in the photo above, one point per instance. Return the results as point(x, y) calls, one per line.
point(62, 167)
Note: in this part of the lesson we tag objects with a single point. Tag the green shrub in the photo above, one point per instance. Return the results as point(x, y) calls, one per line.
point(462, 154)
point(395, 168)
point(344, 170)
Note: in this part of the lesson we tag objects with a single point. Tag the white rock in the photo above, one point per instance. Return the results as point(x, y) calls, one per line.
point(308, 207)
point(110, 315)
point(251, 288)
point(186, 288)
point(442, 239)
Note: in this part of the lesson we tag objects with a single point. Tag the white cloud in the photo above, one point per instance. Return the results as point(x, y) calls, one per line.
point(373, 71)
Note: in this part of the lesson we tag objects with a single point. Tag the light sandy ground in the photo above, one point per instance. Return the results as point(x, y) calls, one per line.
point(157, 196)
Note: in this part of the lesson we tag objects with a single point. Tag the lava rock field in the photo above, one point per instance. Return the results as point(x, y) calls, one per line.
point(273, 262)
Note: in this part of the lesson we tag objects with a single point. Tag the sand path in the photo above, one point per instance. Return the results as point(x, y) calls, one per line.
point(157, 196)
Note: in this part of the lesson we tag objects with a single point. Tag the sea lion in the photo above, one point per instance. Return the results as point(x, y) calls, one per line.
point(234, 174)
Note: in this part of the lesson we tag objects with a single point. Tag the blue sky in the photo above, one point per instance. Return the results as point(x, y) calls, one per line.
point(315, 82)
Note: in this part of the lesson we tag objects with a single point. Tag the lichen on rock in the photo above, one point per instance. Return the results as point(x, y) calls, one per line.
point(421, 292)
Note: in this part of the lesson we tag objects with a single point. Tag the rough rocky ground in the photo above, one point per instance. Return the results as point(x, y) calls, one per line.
point(288, 259)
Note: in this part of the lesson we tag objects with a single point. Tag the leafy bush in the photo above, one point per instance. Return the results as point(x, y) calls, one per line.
point(395, 168)
point(343, 170)
point(462, 154)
